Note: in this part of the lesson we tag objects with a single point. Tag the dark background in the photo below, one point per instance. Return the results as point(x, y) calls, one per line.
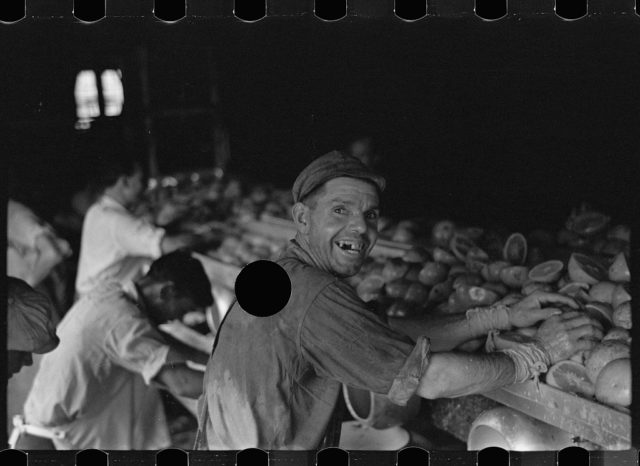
point(513, 122)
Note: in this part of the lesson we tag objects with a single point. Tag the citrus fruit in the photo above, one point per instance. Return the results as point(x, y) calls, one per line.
point(397, 288)
point(615, 246)
point(515, 249)
point(604, 353)
point(580, 357)
point(499, 288)
point(469, 279)
point(572, 288)
point(530, 286)
point(602, 312)
point(546, 272)
point(602, 291)
point(416, 255)
point(588, 223)
point(618, 333)
point(443, 256)
point(368, 297)
point(394, 268)
point(491, 272)
point(416, 293)
point(621, 316)
point(570, 376)
point(413, 272)
point(473, 233)
point(514, 276)
point(399, 308)
point(477, 295)
point(403, 235)
point(440, 291)
point(432, 273)
point(460, 245)
point(457, 269)
point(613, 385)
point(584, 269)
point(442, 232)
point(620, 295)
point(622, 232)
point(619, 269)
point(476, 259)
point(370, 284)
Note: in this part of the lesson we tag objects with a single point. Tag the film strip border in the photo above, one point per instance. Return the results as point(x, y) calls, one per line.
point(89, 11)
point(412, 456)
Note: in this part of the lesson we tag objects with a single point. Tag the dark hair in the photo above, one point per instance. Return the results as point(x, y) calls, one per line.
point(186, 273)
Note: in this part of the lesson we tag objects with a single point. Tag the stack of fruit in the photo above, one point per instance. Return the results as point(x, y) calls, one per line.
point(242, 249)
point(468, 267)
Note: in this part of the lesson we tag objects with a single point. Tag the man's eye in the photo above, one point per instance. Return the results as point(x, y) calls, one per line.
point(372, 216)
point(339, 210)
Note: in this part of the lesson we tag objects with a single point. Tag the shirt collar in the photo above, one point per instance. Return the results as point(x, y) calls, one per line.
point(111, 202)
point(131, 291)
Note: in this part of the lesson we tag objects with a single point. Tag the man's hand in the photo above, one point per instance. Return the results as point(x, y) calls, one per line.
point(566, 334)
point(530, 310)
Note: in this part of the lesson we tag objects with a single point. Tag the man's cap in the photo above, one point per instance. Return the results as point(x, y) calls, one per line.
point(30, 319)
point(332, 165)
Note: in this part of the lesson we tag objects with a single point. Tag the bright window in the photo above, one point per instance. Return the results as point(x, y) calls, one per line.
point(86, 94)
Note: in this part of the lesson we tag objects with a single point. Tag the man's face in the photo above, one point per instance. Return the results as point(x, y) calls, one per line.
point(134, 187)
point(16, 360)
point(343, 225)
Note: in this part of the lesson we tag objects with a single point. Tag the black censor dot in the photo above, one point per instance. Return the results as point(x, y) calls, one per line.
point(263, 288)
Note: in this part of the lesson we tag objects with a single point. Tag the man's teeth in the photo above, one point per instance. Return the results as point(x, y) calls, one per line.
point(350, 246)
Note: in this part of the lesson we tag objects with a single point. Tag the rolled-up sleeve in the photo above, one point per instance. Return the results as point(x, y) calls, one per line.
point(135, 345)
point(345, 341)
point(137, 236)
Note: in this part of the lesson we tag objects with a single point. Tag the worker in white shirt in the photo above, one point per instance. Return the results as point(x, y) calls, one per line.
point(115, 244)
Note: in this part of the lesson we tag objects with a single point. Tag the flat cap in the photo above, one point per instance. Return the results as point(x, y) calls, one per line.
point(332, 165)
point(30, 324)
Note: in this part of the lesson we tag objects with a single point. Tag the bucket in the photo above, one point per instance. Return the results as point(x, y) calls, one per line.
point(512, 430)
point(377, 411)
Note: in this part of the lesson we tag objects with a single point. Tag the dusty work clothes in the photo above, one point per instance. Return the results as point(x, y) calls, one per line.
point(95, 387)
point(273, 382)
point(115, 245)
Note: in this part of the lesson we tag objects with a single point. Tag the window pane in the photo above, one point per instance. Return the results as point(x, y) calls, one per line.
point(86, 94)
point(112, 92)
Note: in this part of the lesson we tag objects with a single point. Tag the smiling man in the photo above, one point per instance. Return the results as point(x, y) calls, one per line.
point(274, 382)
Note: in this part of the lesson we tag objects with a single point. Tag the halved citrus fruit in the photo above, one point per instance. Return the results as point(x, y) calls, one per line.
point(573, 288)
point(457, 270)
point(477, 295)
point(622, 232)
point(432, 273)
point(546, 272)
point(588, 223)
point(440, 291)
point(618, 333)
point(467, 279)
point(416, 255)
point(603, 354)
point(442, 232)
point(491, 271)
point(619, 269)
point(441, 255)
point(585, 269)
point(499, 288)
point(621, 316)
point(620, 295)
point(603, 292)
point(614, 383)
point(570, 376)
point(394, 268)
point(531, 286)
point(460, 245)
point(515, 249)
point(514, 276)
point(602, 312)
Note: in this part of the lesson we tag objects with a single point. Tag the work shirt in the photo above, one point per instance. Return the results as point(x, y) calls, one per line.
point(95, 387)
point(115, 245)
point(28, 258)
point(273, 382)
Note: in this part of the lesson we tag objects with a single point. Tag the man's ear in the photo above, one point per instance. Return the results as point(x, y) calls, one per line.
point(300, 214)
point(168, 291)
